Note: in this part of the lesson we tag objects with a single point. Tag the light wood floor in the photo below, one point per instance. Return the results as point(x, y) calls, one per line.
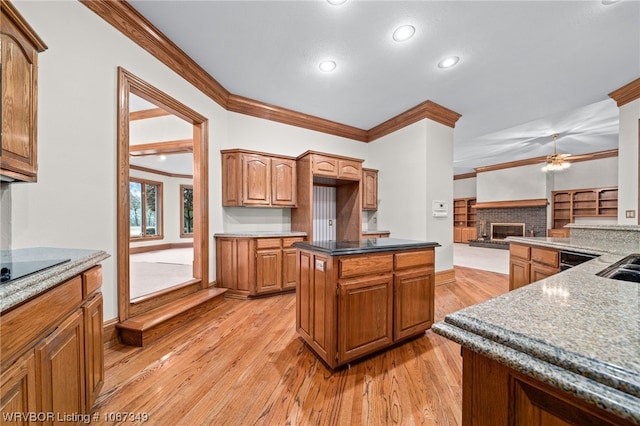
point(243, 364)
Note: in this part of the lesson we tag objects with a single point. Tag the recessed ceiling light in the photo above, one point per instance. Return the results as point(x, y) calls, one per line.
point(336, 2)
point(448, 62)
point(327, 66)
point(404, 32)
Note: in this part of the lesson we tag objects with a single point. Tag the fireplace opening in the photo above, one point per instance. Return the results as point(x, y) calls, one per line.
point(500, 231)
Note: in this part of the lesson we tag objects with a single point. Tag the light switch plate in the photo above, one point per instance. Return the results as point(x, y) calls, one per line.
point(629, 214)
point(320, 265)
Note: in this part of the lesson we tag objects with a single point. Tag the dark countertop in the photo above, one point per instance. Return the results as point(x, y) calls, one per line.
point(19, 290)
point(368, 245)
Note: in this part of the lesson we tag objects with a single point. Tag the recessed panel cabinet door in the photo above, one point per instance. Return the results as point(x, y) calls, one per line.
point(256, 180)
point(94, 349)
point(365, 316)
point(18, 389)
point(370, 189)
point(268, 270)
point(414, 301)
point(283, 182)
point(518, 273)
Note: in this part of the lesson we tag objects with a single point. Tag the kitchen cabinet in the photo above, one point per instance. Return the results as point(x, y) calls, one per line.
point(528, 264)
point(19, 48)
point(351, 305)
point(464, 220)
point(333, 166)
point(369, 189)
point(51, 342)
point(256, 179)
point(496, 395)
point(373, 234)
point(590, 202)
point(250, 266)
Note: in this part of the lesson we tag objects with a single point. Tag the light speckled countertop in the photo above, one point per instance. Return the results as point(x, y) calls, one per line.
point(574, 330)
point(15, 292)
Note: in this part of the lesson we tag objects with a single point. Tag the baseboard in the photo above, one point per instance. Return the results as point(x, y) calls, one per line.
point(156, 247)
point(110, 336)
point(447, 276)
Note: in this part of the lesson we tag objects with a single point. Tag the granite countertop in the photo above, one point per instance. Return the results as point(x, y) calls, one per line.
point(574, 330)
point(369, 245)
point(580, 245)
point(19, 290)
point(260, 234)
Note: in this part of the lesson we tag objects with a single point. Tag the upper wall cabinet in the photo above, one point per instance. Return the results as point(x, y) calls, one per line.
point(257, 179)
point(369, 189)
point(19, 46)
point(334, 166)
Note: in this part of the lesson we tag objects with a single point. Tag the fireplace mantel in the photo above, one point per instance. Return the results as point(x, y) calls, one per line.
point(537, 202)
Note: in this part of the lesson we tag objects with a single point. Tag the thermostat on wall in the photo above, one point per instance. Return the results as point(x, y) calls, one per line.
point(440, 208)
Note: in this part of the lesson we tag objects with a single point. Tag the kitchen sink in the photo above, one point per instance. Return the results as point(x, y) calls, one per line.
point(627, 269)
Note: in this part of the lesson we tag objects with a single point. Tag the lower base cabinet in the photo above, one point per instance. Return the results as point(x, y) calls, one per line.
point(52, 361)
point(528, 264)
point(496, 395)
point(353, 305)
point(463, 234)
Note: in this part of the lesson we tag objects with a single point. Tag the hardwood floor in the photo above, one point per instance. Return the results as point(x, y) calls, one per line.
point(243, 364)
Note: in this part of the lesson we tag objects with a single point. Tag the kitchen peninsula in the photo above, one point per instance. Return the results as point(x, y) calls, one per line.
point(357, 297)
point(562, 350)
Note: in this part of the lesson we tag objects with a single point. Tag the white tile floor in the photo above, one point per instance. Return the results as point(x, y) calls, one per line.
point(486, 259)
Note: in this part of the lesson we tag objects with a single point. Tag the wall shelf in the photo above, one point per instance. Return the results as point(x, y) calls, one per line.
point(589, 202)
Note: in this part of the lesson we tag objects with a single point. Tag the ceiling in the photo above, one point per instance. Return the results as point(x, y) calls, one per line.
point(527, 69)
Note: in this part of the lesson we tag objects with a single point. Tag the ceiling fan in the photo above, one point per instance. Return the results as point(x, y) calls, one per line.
point(556, 162)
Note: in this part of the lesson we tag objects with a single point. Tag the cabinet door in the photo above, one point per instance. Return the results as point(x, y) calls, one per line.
point(18, 391)
point(457, 234)
point(468, 234)
point(256, 180)
point(289, 257)
point(231, 179)
point(19, 102)
point(349, 169)
point(413, 302)
point(518, 273)
point(323, 165)
point(365, 316)
point(283, 182)
point(370, 189)
point(234, 263)
point(268, 270)
point(60, 368)
point(94, 349)
point(539, 272)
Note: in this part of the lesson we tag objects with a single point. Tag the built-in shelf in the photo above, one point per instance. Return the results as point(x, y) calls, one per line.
point(589, 202)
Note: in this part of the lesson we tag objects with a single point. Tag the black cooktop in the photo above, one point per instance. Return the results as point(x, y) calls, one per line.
point(13, 270)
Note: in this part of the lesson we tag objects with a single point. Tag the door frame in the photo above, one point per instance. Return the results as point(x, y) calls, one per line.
point(129, 83)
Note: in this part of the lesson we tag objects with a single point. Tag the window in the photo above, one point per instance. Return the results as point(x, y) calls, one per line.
point(145, 209)
point(186, 208)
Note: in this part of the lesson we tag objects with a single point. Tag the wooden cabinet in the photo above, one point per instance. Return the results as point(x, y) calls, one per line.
point(19, 48)
point(464, 220)
point(381, 234)
point(369, 189)
point(336, 167)
point(352, 305)
point(528, 264)
point(251, 266)
point(256, 179)
point(52, 349)
point(591, 202)
point(496, 395)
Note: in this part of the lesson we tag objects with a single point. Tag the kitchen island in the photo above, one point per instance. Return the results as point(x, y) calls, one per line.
point(563, 350)
point(354, 298)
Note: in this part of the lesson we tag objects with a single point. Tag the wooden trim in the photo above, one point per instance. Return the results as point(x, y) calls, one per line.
point(247, 151)
point(447, 276)
point(159, 214)
point(129, 83)
point(13, 14)
point(147, 302)
point(465, 176)
point(538, 160)
point(180, 146)
point(159, 172)
point(427, 109)
point(156, 247)
point(122, 16)
point(147, 113)
point(109, 333)
point(537, 202)
point(627, 93)
point(132, 24)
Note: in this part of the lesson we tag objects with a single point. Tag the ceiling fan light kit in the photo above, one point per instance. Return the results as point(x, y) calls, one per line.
point(556, 162)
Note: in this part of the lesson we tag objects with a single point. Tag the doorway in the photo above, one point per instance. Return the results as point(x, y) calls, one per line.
point(162, 198)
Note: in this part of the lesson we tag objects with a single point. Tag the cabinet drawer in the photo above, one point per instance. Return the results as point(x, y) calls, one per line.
point(365, 265)
point(544, 256)
point(263, 243)
point(288, 242)
point(413, 259)
point(349, 169)
point(324, 165)
point(91, 280)
point(517, 250)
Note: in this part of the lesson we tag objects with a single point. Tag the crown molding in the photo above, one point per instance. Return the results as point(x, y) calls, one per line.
point(12, 13)
point(181, 146)
point(464, 176)
point(627, 93)
point(147, 113)
point(537, 202)
point(122, 16)
point(537, 160)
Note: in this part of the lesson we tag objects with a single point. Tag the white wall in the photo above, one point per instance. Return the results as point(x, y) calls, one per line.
point(628, 161)
point(515, 183)
point(465, 188)
point(588, 174)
